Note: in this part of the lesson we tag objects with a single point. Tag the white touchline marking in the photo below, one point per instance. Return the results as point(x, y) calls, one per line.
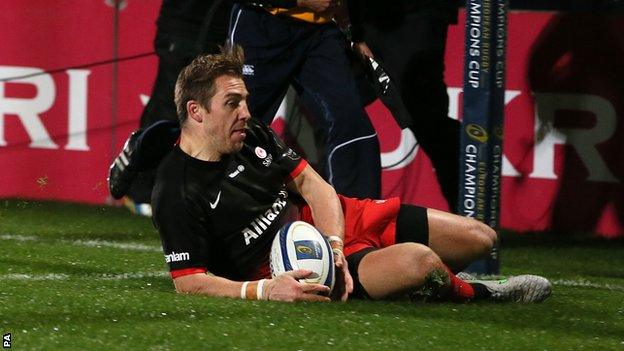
point(133, 275)
point(117, 245)
point(18, 237)
point(21, 276)
point(88, 243)
point(587, 284)
point(61, 276)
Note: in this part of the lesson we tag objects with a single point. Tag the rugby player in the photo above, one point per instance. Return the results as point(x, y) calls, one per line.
point(229, 184)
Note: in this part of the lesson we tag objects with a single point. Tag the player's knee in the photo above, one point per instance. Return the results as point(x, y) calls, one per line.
point(418, 260)
point(484, 237)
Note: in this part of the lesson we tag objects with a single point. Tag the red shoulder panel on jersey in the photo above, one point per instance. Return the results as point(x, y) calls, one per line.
point(186, 271)
point(295, 172)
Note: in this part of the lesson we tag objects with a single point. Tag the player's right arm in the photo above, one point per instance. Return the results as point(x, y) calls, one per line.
point(186, 250)
point(285, 287)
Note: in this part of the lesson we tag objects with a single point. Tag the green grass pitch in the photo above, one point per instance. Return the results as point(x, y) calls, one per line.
point(78, 277)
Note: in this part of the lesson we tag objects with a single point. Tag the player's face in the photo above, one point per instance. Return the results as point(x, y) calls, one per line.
point(228, 115)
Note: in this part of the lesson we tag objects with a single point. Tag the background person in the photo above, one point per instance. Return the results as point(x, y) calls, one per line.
point(184, 29)
point(298, 44)
point(408, 37)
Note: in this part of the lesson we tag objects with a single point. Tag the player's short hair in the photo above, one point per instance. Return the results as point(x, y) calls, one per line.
point(197, 80)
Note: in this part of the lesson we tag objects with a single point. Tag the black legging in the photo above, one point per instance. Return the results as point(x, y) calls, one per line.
point(413, 56)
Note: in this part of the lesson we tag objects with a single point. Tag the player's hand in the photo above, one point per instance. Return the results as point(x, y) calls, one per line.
point(344, 282)
point(286, 287)
point(362, 50)
point(317, 6)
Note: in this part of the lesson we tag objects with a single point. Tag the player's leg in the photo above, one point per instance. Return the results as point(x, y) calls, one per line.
point(395, 270)
point(273, 51)
point(352, 150)
point(385, 244)
point(457, 240)
point(406, 268)
point(383, 268)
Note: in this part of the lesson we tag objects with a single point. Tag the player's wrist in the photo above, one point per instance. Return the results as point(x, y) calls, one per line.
point(334, 238)
point(336, 244)
point(268, 288)
point(337, 252)
point(254, 290)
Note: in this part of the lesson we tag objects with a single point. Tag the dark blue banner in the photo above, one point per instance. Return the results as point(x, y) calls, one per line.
point(482, 126)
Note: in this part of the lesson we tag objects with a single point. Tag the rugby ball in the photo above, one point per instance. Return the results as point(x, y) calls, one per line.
point(299, 245)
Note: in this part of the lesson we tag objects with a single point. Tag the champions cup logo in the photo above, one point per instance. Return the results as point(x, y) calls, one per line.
point(304, 249)
point(308, 250)
point(477, 133)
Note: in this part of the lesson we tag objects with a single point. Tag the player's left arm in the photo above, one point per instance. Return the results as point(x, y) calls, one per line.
point(322, 199)
point(318, 194)
point(327, 214)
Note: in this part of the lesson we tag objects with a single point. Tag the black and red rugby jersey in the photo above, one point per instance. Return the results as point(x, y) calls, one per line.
point(222, 216)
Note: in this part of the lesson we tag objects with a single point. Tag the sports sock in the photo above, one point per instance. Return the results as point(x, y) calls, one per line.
point(463, 291)
point(460, 291)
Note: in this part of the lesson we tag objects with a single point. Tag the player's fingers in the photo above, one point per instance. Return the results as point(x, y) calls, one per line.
point(344, 260)
point(299, 273)
point(339, 258)
point(314, 297)
point(349, 284)
point(348, 289)
point(345, 292)
point(348, 279)
point(315, 288)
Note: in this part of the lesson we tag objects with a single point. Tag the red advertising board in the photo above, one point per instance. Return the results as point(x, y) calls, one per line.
point(56, 129)
point(563, 166)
